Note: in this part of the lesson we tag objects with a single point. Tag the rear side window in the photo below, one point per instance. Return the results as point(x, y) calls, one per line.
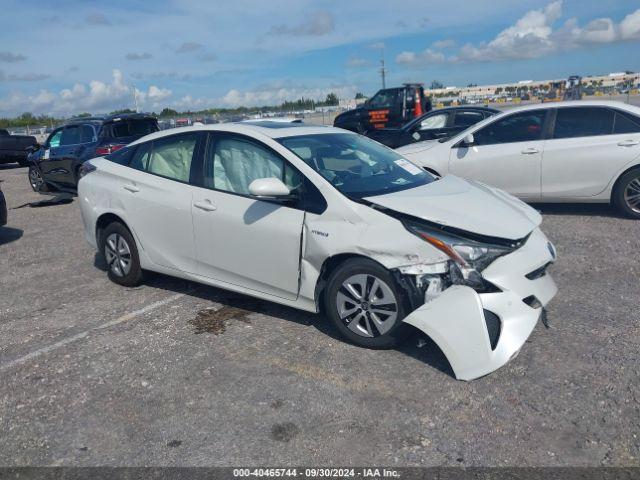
point(134, 127)
point(519, 127)
point(466, 119)
point(624, 123)
point(171, 157)
point(71, 135)
point(583, 122)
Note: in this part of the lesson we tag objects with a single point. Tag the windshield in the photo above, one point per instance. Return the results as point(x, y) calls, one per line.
point(355, 165)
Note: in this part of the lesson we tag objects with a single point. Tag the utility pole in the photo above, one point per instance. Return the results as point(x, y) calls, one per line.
point(383, 70)
point(135, 98)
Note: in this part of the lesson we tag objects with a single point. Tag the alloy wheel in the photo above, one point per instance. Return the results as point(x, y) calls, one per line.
point(118, 255)
point(632, 194)
point(367, 305)
point(35, 178)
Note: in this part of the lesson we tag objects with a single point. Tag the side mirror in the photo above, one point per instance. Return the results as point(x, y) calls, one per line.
point(269, 188)
point(468, 140)
point(416, 136)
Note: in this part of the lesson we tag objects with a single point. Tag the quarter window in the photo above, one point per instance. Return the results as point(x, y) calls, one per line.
point(583, 122)
point(519, 127)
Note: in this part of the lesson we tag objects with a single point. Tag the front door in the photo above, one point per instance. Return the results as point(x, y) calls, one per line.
point(506, 154)
point(240, 240)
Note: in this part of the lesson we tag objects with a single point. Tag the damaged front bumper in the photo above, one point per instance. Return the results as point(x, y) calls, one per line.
point(480, 332)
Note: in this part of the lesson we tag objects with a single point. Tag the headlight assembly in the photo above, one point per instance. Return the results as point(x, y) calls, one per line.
point(463, 251)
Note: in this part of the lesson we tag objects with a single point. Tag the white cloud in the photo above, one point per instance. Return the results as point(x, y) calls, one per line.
point(10, 57)
point(425, 57)
point(187, 47)
point(533, 36)
point(138, 56)
point(630, 26)
point(318, 23)
point(96, 97)
point(357, 62)
point(441, 44)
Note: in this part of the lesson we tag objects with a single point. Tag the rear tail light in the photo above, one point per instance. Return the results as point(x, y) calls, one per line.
point(107, 149)
point(86, 168)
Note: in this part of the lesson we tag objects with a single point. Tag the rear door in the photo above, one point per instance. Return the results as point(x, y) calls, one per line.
point(507, 154)
point(156, 195)
point(239, 239)
point(589, 145)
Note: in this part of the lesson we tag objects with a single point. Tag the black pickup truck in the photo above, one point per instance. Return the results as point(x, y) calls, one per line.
point(15, 148)
point(388, 108)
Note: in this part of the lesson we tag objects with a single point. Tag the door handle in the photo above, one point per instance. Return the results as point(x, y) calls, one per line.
point(207, 206)
point(628, 143)
point(530, 151)
point(131, 188)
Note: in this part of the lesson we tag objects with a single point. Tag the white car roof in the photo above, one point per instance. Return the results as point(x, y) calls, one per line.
point(575, 103)
point(266, 127)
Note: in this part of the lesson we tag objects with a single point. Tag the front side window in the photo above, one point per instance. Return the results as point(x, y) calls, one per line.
point(384, 98)
point(434, 121)
point(583, 122)
point(71, 135)
point(355, 165)
point(171, 157)
point(233, 163)
point(54, 139)
point(519, 127)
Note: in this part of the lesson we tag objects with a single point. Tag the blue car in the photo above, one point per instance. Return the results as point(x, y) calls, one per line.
point(55, 166)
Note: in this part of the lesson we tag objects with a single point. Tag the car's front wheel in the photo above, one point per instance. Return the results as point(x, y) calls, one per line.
point(626, 196)
point(35, 179)
point(364, 303)
point(121, 255)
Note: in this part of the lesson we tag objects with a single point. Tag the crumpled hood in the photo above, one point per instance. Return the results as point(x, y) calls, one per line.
point(417, 147)
point(465, 205)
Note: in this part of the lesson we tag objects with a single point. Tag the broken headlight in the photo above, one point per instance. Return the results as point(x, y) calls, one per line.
point(466, 253)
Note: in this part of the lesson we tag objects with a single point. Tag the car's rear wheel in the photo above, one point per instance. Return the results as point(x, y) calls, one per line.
point(35, 179)
point(365, 305)
point(121, 255)
point(626, 196)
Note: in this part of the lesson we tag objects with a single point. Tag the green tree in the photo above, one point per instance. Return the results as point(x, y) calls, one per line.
point(331, 100)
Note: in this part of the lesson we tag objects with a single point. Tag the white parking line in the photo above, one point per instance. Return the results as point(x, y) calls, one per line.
point(124, 318)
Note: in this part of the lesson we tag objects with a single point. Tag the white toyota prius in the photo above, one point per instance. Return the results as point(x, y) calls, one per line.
point(326, 221)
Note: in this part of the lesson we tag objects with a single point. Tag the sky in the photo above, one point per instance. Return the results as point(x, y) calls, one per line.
point(69, 56)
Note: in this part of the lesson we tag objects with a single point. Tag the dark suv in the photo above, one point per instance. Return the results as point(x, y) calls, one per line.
point(55, 166)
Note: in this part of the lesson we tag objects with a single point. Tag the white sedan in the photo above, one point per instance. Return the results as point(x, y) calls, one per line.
point(326, 220)
point(585, 151)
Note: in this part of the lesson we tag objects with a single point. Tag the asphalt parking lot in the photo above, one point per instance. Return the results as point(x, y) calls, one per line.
point(176, 373)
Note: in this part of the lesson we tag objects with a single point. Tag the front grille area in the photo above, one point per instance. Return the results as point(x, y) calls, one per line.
point(538, 272)
point(493, 327)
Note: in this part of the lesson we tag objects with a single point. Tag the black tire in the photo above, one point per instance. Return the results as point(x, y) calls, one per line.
point(360, 129)
point(128, 277)
point(36, 185)
point(396, 331)
point(623, 194)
